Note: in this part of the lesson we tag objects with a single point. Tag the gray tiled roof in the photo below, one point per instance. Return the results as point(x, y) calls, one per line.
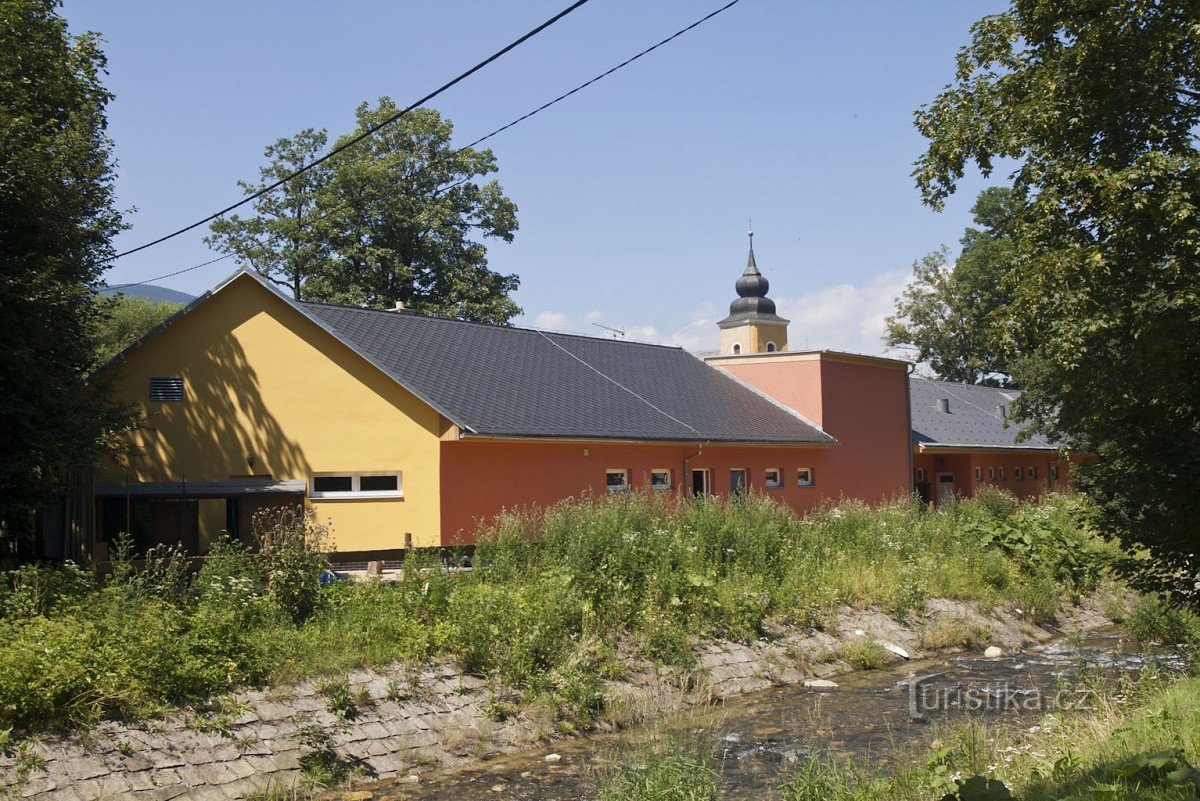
point(503, 381)
point(973, 420)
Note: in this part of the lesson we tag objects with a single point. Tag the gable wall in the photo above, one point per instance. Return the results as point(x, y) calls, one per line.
point(262, 380)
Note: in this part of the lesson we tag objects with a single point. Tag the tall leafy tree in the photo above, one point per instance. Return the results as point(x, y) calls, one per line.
point(284, 238)
point(401, 216)
point(1098, 106)
point(56, 221)
point(952, 317)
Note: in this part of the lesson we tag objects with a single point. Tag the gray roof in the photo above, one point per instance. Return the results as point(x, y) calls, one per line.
point(974, 421)
point(517, 382)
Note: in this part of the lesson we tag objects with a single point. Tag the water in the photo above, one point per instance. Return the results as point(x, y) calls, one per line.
point(757, 737)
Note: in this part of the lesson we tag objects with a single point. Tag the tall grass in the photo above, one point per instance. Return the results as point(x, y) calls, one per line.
point(551, 594)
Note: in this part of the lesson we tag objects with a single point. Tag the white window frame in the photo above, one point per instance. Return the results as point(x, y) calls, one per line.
point(777, 483)
point(1054, 472)
point(355, 493)
point(991, 474)
point(1032, 473)
point(979, 474)
point(772, 347)
point(624, 472)
point(660, 488)
point(1000, 475)
point(707, 480)
point(736, 349)
point(1018, 474)
point(918, 474)
point(812, 480)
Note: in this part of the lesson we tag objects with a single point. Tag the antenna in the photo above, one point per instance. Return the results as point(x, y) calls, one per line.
point(616, 332)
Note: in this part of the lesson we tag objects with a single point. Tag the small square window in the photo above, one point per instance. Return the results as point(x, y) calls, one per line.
point(616, 480)
point(660, 480)
point(991, 474)
point(166, 389)
point(1033, 474)
point(804, 477)
point(773, 478)
point(919, 474)
point(1018, 474)
point(979, 474)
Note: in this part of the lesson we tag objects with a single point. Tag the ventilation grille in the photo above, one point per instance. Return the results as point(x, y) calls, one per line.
point(167, 389)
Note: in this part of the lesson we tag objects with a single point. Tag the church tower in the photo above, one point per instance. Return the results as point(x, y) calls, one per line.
point(752, 325)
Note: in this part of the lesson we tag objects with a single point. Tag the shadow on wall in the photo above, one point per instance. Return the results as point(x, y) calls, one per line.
point(222, 430)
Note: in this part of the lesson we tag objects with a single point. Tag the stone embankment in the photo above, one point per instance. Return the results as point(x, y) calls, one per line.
point(402, 721)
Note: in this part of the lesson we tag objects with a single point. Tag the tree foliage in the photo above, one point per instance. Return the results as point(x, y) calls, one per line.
point(56, 221)
point(283, 240)
point(399, 217)
point(952, 317)
point(126, 320)
point(1097, 104)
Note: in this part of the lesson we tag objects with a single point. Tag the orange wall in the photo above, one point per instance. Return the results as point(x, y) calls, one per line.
point(480, 478)
point(863, 404)
point(963, 465)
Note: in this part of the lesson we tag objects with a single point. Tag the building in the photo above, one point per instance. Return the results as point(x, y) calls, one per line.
point(405, 430)
point(963, 440)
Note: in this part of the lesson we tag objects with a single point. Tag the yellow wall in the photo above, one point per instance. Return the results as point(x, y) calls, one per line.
point(263, 381)
point(753, 337)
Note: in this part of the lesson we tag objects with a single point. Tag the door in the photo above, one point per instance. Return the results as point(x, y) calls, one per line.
point(945, 487)
point(737, 482)
point(699, 482)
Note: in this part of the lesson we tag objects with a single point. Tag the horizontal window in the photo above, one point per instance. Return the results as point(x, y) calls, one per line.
point(804, 477)
point(616, 480)
point(357, 485)
point(773, 478)
point(660, 480)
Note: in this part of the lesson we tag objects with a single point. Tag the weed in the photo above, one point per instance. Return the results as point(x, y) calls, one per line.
point(863, 654)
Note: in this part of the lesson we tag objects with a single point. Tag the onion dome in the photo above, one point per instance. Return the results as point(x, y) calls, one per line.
point(752, 302)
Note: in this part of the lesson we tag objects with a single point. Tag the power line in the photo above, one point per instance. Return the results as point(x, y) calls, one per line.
point(480, 140)
point(586, 84)
point(365, 134)
point(604, 74)
point(171, 275)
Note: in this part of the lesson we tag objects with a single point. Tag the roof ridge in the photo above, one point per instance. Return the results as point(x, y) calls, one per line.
point(525, 328)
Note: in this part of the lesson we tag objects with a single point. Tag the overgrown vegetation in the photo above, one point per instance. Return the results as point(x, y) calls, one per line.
point(554, 593)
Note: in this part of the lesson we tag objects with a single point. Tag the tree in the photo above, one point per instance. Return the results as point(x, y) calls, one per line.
point(56, 222)
point(398, 217)
point(1097, 104)
point(284, 239)
point(953, 317)
point(126, 320)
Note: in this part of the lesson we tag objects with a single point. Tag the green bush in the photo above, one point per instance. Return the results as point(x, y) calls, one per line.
point(668, 776)
point(1153, 619)
point(553, 594)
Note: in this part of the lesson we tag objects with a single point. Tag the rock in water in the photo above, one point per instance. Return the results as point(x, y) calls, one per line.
point(820, 684)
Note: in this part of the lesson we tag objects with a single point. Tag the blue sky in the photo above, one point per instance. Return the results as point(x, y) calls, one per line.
point(633, 195)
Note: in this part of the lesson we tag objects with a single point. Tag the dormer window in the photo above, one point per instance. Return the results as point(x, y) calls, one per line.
point(771, 347)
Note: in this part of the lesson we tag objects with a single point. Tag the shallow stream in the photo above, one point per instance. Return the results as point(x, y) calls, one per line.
point(757, 737)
